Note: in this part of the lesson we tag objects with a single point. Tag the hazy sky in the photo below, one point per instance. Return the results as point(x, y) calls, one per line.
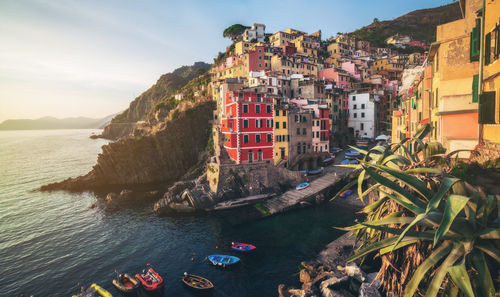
point(92, 57)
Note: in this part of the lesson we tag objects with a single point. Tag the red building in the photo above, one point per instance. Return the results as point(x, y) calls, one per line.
point(247, 126)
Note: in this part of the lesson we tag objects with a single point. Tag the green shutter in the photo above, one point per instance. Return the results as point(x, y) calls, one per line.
point(487, 108)
point(474, 44)
point(475, 84)
point(487, 49)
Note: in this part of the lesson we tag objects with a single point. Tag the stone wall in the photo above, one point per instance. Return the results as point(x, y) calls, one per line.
point(488, 153)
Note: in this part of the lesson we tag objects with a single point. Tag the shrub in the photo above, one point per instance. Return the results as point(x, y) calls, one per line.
point(434, 232)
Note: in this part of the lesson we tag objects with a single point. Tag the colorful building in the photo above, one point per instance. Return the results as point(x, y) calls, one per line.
point(247, 127)
point(489, 100)
point(281, 135)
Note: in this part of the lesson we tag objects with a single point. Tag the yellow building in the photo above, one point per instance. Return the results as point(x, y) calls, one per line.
point(489, 113)
point(304, 45)
point(295, 64)
point(280, 38)
point(281, 136)
point(454, 107)
point(241, 47)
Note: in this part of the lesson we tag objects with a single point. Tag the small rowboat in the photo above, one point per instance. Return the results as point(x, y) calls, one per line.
point(345, 193)
point(315, 172)
point(352, 154)
point(223, 260)
point(351, 162)
point(302, 186)
point(197, 283)
point(93, 291)
point(328, 161)
point(126, 283)
point(150, 279)
point(242, 247)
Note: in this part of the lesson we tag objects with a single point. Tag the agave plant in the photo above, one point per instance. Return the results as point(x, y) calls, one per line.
point(435, 233)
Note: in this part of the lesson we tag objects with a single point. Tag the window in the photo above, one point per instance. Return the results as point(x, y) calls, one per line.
point(245, 123)
point(353, 98)
point(257, 108)
point(277, 125)
point(355, 106)
point(487, 108)
point(317, 134)
point(487, 49)
point(304, 119)
point(298, 131)
point(284, 125)
point(335, 108)
point(257, 138)
point(269, 138)
point(474, 42)
point(475, 84)
point(304, 131)
point(245, 138)
point(284, 112)
point(258, 123)
point(268, 108)
point(437, 97)
point(245, 108)
point(277, 113)
point(362, 127)
point(363, 106)
point(355, 115)
point(362, 114)
point(296, 118)
point(298, 148)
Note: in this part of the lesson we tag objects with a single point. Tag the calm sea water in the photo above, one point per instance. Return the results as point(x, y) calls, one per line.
point(49, 242)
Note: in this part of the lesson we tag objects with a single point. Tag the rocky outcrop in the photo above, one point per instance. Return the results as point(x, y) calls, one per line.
point(159, 157)
point(331, 276)
point(143, 107)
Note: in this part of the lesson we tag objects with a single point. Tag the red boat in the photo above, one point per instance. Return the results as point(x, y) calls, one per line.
point(242, 247)
point(150, 279)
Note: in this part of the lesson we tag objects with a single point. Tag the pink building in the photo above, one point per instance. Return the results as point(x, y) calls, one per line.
point(352, 69)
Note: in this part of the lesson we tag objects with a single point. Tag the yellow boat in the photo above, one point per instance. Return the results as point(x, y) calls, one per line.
point(94, 290)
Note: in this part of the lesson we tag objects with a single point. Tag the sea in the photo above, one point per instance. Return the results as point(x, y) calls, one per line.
point(51, 243)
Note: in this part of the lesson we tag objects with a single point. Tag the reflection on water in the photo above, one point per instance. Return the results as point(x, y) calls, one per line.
point(50, 241)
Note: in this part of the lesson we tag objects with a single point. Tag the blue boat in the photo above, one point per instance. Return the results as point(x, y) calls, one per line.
point(349, 162)
point(302, 186)
point(328, 161)
point(352, 154)
point(345, 193)
point(315, 171)
point(223, 260)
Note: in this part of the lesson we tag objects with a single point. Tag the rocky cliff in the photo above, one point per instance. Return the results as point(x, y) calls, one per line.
point(161, 156)
point(141, 108)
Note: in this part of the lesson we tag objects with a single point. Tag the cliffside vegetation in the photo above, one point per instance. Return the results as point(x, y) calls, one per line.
point(166, 86)
point(419, 24)
point(234, 31)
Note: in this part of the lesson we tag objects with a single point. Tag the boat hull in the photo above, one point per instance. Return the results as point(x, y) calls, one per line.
point(197, 283)
point(242, 247)
point(150, 280)
point(126, 283)
point(223, 260)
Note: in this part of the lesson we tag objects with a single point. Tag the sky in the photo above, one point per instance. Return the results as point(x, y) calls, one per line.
point(90, 58)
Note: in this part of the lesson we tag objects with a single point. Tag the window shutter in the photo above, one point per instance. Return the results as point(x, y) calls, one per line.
point(474, 44)
point(487, 48)
point(475, 84)
point(487, 108)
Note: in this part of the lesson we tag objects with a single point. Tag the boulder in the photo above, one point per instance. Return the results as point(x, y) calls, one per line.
point(282, 291)
point(299, 293)
point(329, 286)
point(304, 276)
point(353, 271)
point(368, 291)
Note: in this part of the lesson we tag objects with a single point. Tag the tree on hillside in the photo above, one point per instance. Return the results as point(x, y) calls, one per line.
point(234, 31)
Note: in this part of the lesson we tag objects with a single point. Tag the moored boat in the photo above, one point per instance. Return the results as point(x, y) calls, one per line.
point(352, 154)
point(197, 283)
point(328, 161)
point(93, 291)
point(223, 260)
point(126, 283)
point(345, 193)
point(242, 247)
point(315, 171)
point(302, 186)
point(150, 279)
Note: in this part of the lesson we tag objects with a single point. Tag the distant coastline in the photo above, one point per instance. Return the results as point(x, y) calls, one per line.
point(50, 123)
